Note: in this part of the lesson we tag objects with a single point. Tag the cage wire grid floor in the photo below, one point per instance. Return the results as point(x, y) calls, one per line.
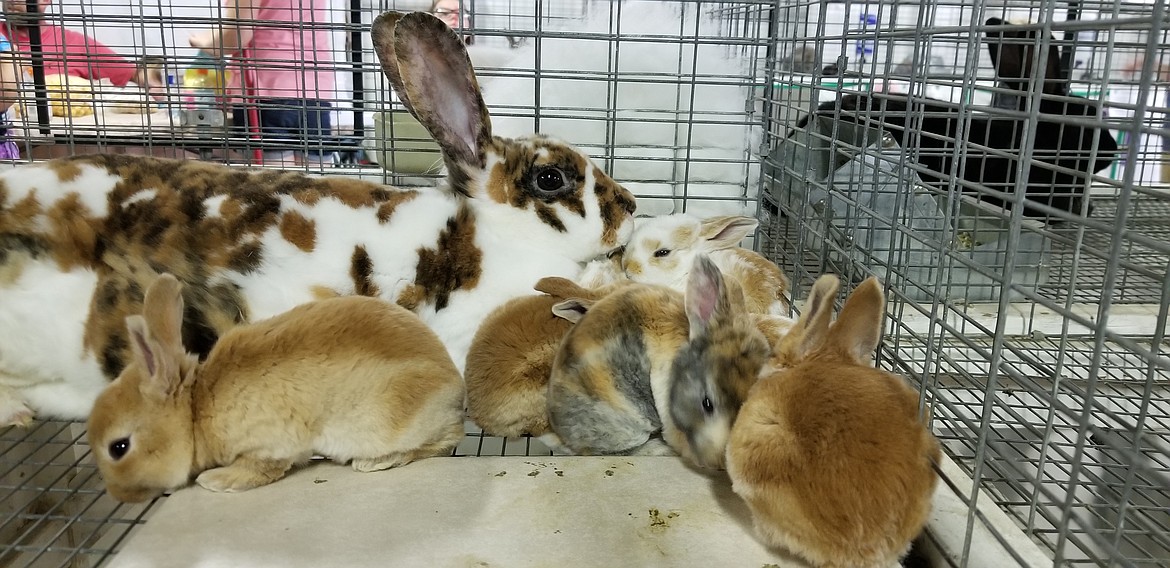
point(54, 511)
point(1143, 274)
point(1072, 440)
point(1033, 425)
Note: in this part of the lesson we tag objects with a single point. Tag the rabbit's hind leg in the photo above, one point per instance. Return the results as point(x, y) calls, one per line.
point(13, 409)
point(655, 446)
point(443, 445)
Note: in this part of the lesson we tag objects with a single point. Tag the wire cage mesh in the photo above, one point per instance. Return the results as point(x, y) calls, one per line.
point(1036, 333)
point(1034, 325)
point(660, 93)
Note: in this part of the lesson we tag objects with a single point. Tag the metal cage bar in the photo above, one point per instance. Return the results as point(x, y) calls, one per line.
point(1037, 336)
point(1033, 321)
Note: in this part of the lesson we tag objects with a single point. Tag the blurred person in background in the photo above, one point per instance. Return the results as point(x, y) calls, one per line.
point(67, 52)
point(453, 14)
point(281, 50)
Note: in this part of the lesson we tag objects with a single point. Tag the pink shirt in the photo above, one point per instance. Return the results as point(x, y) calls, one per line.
point(292, 59)
point(67, 52)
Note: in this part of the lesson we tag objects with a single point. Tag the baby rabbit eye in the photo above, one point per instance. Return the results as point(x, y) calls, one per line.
point(119, 448)
point(550, 180)
point(661, 253)
point(707, 406)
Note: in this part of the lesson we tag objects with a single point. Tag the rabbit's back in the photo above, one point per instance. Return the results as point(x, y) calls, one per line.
point(764, 284)
point(234, 237)
point(334, 332)
point(609, 381)
point(339, 375)
point(509, 363)
point(834, 457)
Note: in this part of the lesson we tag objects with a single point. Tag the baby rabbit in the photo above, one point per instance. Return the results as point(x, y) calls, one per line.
point(604, 270)
point(829, 452)
point(351, 378)
point(662, 250)
point(512, 355)
point(646, 361)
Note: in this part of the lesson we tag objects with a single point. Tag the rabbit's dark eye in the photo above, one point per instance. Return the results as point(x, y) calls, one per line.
point(707, 406)
point(119, 447)
point(661, 253)
point(550, 180)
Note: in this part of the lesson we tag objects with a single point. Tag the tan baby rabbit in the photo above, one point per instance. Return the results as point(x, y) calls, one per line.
point(351, 378)
point(829, 452)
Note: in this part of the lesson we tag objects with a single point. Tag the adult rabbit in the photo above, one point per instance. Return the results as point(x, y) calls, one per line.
point(81, 238)
point(1070, 141)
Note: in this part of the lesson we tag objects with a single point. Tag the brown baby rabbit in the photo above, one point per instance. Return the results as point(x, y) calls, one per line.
point(351, 378)
point(828, 451)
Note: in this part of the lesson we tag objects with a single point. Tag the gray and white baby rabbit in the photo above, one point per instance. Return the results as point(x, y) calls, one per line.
point(829, 452)
point(511, 357)
point(352, 378)
point(647, 370)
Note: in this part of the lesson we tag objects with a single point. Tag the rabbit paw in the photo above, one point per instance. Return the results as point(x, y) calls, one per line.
point(14, 412)
point(383, 462)
point(241, 475)
point(652, 447)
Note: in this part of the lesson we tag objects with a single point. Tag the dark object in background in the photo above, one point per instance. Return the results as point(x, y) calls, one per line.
point(801, 60)
point(1064, 138)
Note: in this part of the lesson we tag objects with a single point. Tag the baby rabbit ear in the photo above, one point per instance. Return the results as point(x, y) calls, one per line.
point(558, 287)
point(812, 328)
point(429, 68)
point(707, 296)
point(858, 328)
point(1013, 56)
point(572, 309)
point(156, 336)
point(162, 308)
point(718, 233)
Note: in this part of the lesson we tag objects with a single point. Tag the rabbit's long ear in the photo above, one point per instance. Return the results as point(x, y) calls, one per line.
point(558, 287)
point(573, 309)
point(812, 328)
point(1012, 55)
point(383, 36)
point(156, 337)
point(858, 328)
point(719, 233)
point(709, 297)
point(429, 68)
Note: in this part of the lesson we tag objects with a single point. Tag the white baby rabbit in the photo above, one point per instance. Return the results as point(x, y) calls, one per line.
point(662, 250)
